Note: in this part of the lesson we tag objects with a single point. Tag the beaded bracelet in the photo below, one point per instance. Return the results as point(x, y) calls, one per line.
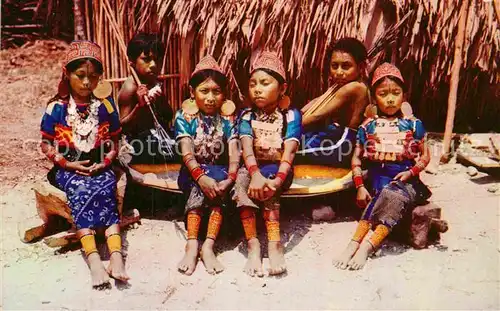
point(253, 169)
point(197, 172)
point(281, 176)
point(358, 181)
point(232, 176)
point(62, 162)
point(107, 161)
point(415, 170)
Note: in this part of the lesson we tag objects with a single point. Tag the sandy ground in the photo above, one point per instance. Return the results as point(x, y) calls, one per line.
point(462, 272)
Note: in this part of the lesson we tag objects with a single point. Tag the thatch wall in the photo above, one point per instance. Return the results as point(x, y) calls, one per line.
point(417, 35)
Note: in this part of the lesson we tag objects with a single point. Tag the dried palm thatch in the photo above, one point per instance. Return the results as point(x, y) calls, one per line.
point(419, 37)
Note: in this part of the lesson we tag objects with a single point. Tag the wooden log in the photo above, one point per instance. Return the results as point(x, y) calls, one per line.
point(69, 238)
point(421, 227)
point(426, 225)
point(52, 208)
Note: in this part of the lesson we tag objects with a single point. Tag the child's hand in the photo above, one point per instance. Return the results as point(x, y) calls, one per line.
point(209, 186)
point(272, 185)
point(403, 176)
point(142, 92)
point(363, 197)
point(223, 186)
point(256, 188)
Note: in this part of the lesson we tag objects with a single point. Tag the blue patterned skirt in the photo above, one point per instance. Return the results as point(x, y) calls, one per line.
point(195, 198)
point(392, 199)
point(92, 199)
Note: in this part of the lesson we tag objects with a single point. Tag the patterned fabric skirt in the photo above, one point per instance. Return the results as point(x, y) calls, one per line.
point(92, 199)
point(240, 190)
point(392, 199)
point(195, 198)
point(331, 146)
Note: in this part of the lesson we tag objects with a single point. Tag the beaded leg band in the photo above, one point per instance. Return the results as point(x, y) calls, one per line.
point(114, 242)
point(214, 223)
point(272, 219)
point(193, 224)
point(247, 216)
point(380, 233)
point(361, 231)
point(88, 244)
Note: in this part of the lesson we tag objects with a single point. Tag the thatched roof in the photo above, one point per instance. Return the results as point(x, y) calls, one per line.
point(302, 30)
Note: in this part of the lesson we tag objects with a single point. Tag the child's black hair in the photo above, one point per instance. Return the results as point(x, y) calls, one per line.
point(74, 65)
point(147, 43)
point(352, 46)
point(394, 79)
point(205, 74)
point(272, 73)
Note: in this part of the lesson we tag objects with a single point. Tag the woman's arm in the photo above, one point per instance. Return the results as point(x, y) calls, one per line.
point(348, 93)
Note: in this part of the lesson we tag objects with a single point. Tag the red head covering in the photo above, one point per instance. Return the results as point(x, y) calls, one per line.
point(386, 70)
point(207, 62)
point(269, 60)
point(78, 50)
point(83, 49)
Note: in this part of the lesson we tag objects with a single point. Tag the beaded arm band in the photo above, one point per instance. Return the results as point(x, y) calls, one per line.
point(357, 176)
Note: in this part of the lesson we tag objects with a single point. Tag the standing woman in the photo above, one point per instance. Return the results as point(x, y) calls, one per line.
point(80, 135)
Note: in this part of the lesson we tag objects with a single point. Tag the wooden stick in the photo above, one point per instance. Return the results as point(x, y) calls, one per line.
point(455, 77)
point(119, 38)
point(87, 20)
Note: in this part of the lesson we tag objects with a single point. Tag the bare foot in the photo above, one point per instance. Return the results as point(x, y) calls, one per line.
point(276, 258)
point(190, 259)
point(342, 261)
point(212, 265)
point(253, 267)
point(358, 261)
point(100, 278)
point(116, 268)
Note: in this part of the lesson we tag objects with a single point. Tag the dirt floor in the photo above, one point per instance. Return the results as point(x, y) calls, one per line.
point(462, 272)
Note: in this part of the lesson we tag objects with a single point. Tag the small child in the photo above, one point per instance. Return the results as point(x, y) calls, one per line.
point(270, 136)
point(388, 146)
point(209, 147)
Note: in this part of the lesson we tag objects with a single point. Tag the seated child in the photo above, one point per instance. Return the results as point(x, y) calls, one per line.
point(145, 52)
point(270, 137)
point(387, 146)
point(205, 138)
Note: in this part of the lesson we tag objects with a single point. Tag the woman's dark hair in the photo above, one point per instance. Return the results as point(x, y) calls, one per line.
point(393, 79)
point(205, 74)
point(272, 73)
point(74, 65)
point(145, 42)
point(352, 46)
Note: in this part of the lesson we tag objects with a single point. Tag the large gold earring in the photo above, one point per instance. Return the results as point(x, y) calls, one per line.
point(284, 102)
point(407, 110)
point(189, 106)
point(228, 108)
point(103, 89)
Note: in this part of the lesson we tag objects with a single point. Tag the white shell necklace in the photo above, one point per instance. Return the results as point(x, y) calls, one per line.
point(84, 129)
